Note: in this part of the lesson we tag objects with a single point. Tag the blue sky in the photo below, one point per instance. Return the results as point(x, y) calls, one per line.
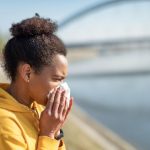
point(120, 21)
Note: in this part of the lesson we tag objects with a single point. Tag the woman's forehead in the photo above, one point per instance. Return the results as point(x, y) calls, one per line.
point(59, 67)
point(60, 60)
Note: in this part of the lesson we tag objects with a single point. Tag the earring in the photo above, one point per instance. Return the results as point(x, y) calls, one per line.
point(28, 77)
point(27, 80)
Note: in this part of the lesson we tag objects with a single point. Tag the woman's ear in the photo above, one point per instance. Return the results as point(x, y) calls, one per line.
point(25, 71)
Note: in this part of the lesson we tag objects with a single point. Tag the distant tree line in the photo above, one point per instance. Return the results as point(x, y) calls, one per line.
point(2, 42)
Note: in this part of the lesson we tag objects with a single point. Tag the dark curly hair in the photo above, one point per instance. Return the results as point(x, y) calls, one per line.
point(34, 42)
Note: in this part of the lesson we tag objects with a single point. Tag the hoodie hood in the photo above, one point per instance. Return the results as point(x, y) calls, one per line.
point(10, 103)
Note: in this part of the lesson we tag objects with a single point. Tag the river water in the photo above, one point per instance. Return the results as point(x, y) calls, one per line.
point(121, 103)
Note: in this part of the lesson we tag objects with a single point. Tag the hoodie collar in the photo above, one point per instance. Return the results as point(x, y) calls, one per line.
point(10, 103)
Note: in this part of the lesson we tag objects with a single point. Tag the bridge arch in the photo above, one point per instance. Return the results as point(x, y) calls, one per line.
point(94, 7)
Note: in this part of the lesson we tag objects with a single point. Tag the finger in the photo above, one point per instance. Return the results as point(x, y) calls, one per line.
point(62, 103)
point(65, 109)
point(51, 100)
point(69, 108)
point(56, 102)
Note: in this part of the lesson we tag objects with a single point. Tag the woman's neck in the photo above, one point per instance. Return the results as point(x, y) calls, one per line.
point(20, 93)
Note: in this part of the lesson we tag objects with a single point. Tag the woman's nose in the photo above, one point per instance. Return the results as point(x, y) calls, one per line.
point(55, 86)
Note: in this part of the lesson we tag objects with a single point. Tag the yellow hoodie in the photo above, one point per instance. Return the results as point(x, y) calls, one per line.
point(19, 126)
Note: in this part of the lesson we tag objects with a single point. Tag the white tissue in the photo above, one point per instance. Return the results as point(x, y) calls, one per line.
point(65, 86)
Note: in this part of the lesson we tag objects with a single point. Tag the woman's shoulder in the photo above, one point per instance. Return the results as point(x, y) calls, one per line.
point(8, 122)
point(5, 113)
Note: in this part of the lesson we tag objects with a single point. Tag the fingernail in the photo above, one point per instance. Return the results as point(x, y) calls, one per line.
point(63, 92)
point(58, 88)
point(62, 89)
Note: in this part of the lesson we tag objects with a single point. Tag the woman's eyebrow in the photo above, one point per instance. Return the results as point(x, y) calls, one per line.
point(59, 76)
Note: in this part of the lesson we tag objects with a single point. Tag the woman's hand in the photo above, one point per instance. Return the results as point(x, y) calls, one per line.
point(55, 113)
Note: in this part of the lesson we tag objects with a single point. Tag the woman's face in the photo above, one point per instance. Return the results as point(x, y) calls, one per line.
point(49, 78)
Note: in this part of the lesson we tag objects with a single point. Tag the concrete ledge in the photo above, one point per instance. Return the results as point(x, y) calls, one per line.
point(83, 133)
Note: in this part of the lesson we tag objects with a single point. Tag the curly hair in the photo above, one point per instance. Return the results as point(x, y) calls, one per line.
point(34, 42)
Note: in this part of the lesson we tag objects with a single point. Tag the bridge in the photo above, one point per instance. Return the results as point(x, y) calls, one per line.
point(118, 66)
point(98, 6)
point(114, 44)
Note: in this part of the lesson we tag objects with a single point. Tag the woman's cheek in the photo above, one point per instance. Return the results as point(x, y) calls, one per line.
point(52, 85)
point(44, 102)
point(43, 99)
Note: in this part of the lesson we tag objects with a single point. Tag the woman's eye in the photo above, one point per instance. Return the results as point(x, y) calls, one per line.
point(58, 80)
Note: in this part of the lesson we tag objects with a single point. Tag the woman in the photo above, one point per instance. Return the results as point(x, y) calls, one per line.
point(35, 60)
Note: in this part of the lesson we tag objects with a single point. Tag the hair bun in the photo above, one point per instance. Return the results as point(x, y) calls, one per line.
point(33, 26)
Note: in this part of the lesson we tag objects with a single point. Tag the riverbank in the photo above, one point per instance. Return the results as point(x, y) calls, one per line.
point(83, 132)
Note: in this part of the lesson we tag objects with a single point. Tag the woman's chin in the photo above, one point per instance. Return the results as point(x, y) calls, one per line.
point(43, 102)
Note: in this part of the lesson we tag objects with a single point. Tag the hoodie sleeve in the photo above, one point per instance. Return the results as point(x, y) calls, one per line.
point(12, 139)
point(46, 143)
point(10, 136)
point(12, 142)
point(16, 142)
